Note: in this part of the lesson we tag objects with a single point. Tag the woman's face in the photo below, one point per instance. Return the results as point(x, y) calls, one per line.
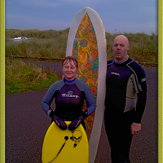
point(69, 70)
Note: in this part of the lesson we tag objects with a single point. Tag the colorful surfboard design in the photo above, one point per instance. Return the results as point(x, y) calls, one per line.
point(86, 42)
point(86, 52)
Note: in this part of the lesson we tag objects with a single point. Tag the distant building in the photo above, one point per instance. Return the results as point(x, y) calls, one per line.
point(20, 38)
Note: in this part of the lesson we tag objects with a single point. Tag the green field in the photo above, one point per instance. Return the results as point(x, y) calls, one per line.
point(21, 77)
point(52, 44)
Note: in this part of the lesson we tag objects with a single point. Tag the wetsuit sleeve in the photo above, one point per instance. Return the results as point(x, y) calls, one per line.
point(91, 104)
point(141, 97)
point(49, 96)
point(141, 102)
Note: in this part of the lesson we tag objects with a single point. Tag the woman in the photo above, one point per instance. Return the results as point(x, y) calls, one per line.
point(69, 94)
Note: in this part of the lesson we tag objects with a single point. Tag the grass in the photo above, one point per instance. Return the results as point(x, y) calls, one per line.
point(52, 44)
point(52, 48)
point(46, 43)
point(143, 47)
point(21, 77)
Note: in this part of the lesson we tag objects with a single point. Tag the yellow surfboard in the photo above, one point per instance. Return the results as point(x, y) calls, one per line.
point(64, 146)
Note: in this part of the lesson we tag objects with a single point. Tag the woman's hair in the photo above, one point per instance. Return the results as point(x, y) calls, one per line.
point(70, 59)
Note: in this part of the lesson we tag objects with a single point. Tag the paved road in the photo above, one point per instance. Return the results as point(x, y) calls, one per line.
point(26, 124)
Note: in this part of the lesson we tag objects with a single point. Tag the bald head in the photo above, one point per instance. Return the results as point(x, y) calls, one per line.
point(121, 37)
point(120, 47)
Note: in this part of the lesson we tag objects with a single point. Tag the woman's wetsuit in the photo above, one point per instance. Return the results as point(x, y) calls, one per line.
point(69, 99)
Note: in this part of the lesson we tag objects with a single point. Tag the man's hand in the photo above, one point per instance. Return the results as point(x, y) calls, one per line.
point(135, 127)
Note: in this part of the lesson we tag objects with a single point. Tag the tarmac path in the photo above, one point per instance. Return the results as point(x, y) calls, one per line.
point(26, 124)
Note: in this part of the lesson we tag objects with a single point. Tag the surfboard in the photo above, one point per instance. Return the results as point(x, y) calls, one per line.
point(64, 146)
point(87, 43)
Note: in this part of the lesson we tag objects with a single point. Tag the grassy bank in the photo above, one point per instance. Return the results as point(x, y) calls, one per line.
point(49, 43)
point(143, 47)
point(52, 44)
point(21, 77)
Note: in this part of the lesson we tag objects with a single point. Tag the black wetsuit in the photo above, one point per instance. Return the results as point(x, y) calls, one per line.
point(69, 99)
point(125, 103)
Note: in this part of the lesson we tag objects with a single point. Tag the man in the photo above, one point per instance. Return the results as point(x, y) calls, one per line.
point(125, 100)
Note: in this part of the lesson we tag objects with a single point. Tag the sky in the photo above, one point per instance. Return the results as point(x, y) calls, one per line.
point(130, 16)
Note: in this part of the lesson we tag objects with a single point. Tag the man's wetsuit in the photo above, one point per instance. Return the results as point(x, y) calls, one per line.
point(69, 99)
point(125, 103)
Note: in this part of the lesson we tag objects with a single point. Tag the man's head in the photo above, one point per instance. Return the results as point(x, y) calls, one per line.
point(120, 47)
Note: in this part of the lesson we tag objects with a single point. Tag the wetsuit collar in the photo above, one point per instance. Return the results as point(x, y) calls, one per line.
point(69, 81)
point(122, 61)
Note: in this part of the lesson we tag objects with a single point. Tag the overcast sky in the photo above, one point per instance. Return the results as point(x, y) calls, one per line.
point(117, 15)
